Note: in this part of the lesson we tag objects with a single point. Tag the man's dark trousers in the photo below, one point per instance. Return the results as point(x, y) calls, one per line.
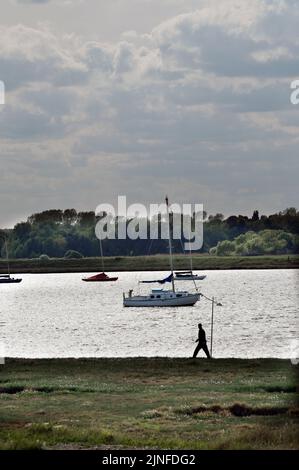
point(204, 347)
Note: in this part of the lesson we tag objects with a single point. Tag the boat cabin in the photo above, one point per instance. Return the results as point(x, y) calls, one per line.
point(161, 294)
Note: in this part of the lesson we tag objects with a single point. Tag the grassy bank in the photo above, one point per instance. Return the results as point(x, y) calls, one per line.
point(152, 403)
point(150, 263)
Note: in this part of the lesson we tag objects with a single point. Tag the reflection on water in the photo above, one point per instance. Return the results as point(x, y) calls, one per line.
point(58, 315)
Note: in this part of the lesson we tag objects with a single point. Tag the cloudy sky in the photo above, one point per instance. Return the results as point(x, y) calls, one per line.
point(144, 97)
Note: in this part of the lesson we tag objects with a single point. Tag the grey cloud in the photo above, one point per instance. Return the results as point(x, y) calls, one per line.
point(18, 123)
point(33, 1)
point(54, 101)
point(225, 52)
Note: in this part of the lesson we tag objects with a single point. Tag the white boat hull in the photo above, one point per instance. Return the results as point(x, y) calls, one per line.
point(190, 278)
point(178, 300)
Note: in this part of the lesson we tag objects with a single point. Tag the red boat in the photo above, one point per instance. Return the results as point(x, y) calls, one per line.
point(102, 277)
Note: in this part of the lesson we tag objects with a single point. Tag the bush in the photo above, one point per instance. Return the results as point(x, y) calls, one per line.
point(266, 242)
point(72, 254)
point(44, 258)
point(225, 248)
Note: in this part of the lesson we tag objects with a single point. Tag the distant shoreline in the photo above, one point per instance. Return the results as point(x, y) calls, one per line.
point(149, 263)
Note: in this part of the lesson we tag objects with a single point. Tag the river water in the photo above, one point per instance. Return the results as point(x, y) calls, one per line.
point(58, 315)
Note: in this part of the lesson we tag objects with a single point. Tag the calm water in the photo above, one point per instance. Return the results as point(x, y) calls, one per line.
point(58, 315)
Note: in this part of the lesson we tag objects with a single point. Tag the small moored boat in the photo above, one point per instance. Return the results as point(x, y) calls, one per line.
point(188, 276)
point(7, 279)
point(101, 277)
point(162, 298)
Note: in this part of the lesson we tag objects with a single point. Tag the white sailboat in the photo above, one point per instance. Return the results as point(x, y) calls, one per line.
point(163, 297)
point(6, 278)
point(189, 275)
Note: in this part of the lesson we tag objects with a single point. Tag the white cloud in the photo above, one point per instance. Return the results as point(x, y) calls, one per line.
point(269, 55)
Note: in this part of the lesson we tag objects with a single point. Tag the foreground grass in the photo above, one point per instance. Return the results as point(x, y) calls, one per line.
point(150, 263)
point(148, 403)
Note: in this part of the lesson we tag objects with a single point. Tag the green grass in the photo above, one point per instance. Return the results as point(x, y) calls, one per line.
point(148, 403)
point(150, 263)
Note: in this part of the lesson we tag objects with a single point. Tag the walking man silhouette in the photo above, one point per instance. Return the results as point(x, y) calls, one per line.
point(202, 342)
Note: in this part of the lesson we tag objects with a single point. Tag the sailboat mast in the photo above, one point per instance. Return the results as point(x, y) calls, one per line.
point(170, 244)
point(102, 257)
point(8, 266)
point(191, 260)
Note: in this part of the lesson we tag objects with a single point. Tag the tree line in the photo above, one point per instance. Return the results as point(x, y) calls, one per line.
point(59, 233)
